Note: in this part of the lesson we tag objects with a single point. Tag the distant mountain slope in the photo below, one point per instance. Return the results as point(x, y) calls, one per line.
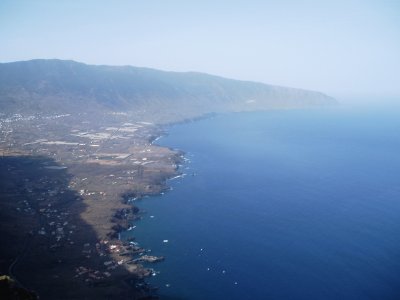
point(67, 86)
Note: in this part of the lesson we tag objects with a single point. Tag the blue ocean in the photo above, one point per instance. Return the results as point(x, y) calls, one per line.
point(294, 204)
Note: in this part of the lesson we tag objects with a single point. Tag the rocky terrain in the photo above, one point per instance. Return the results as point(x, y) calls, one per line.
point(67, 192)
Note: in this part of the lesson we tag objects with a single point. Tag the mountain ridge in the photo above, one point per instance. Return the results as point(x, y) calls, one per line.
point(53, 85)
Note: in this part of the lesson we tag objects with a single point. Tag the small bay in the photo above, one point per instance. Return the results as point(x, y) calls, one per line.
point(296, 204)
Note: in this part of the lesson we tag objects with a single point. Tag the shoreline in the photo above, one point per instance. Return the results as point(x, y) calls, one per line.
point(89, 189)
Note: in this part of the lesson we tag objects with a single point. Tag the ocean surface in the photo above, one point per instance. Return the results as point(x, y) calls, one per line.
point(280, 205)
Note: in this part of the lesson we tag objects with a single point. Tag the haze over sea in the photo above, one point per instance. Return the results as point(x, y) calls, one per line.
point(297, 204)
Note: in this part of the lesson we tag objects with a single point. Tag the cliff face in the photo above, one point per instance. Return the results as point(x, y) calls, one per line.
point(67, 86)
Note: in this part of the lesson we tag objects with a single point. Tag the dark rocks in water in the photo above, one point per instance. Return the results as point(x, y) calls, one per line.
point(119, 228)
point(128, 196)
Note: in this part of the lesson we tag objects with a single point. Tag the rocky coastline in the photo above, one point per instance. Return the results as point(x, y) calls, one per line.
point(71, 187)
point(76, 143)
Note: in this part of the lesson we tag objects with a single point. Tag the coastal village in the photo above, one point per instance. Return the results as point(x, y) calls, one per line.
point(81, 195)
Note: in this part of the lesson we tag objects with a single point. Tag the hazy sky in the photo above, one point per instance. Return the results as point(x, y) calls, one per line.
point(343, 48)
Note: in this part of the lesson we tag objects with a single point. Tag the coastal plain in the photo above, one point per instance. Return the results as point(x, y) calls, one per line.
point(67, 192)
